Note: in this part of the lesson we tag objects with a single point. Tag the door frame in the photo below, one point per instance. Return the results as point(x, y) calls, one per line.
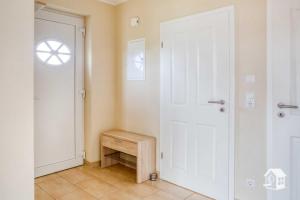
point(269, 114)
point(77, 21)
point(232, 89)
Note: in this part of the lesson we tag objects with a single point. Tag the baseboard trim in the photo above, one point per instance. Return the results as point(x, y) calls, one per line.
point(92, 164)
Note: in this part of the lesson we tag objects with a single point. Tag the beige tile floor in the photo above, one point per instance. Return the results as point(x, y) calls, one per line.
point(114, 183)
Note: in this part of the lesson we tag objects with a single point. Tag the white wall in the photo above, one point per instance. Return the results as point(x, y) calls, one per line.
point(16, 100)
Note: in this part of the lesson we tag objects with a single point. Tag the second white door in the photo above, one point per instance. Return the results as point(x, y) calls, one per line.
point(197, 76)
point(284, 95)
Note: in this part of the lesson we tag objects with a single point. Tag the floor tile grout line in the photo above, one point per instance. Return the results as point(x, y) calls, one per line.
point(75, 185)
point(189, 196)
point(60, 176)
point(46, 192)
point(93, 176)
point(169, 192)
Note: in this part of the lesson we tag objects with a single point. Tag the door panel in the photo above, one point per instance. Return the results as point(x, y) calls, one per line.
point(205, 152)
point(205, 66)
point(55, 106)
point(195, 69)
point(295, 166)
point(58, 103)
point(179, 69)
point(179, 144)
point(295, 62)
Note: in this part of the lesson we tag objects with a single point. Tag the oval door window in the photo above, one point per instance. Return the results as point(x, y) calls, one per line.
point(53, 52)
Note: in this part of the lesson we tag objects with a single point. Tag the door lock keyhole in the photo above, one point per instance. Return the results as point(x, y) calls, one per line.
point(281, 114)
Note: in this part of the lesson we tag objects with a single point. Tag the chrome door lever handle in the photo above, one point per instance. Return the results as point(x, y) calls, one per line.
point(283, 106)
point(221, 102)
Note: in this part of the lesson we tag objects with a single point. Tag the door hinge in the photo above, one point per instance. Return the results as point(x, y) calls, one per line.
point(83, 94)
point(162, 45)
point(161, 155)
point(83, 155)
point(83, 31)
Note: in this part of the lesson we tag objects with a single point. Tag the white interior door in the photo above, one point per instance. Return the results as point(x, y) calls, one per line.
point(58, 87)
point(284, 74)
point(197, 92)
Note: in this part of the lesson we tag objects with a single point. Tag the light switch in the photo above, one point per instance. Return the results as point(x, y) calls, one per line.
point(135, 22)
point(250, 100)
point(250, 79)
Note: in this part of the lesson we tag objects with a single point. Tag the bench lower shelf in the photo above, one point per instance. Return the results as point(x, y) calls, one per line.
point(117, 156)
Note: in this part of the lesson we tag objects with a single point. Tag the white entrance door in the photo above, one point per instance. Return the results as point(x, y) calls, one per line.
point(58, 88)
point(197, 102)
point(284, 94)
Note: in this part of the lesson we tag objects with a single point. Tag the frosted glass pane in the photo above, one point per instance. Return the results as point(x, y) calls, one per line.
point(43, 56)
point(54, 61)
point(43, 47)
point(64, 49)
point(64, 58)
point(54, 45)
point(53, 52)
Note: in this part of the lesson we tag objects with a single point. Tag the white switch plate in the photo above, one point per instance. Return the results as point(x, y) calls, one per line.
point(135, 21)
point(250, 78)
point(250, 100)
point(251, 183)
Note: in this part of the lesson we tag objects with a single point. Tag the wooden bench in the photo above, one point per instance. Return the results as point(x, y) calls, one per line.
point(130, 149)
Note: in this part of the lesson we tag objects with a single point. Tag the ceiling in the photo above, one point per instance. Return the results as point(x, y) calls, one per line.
point(113, 2)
